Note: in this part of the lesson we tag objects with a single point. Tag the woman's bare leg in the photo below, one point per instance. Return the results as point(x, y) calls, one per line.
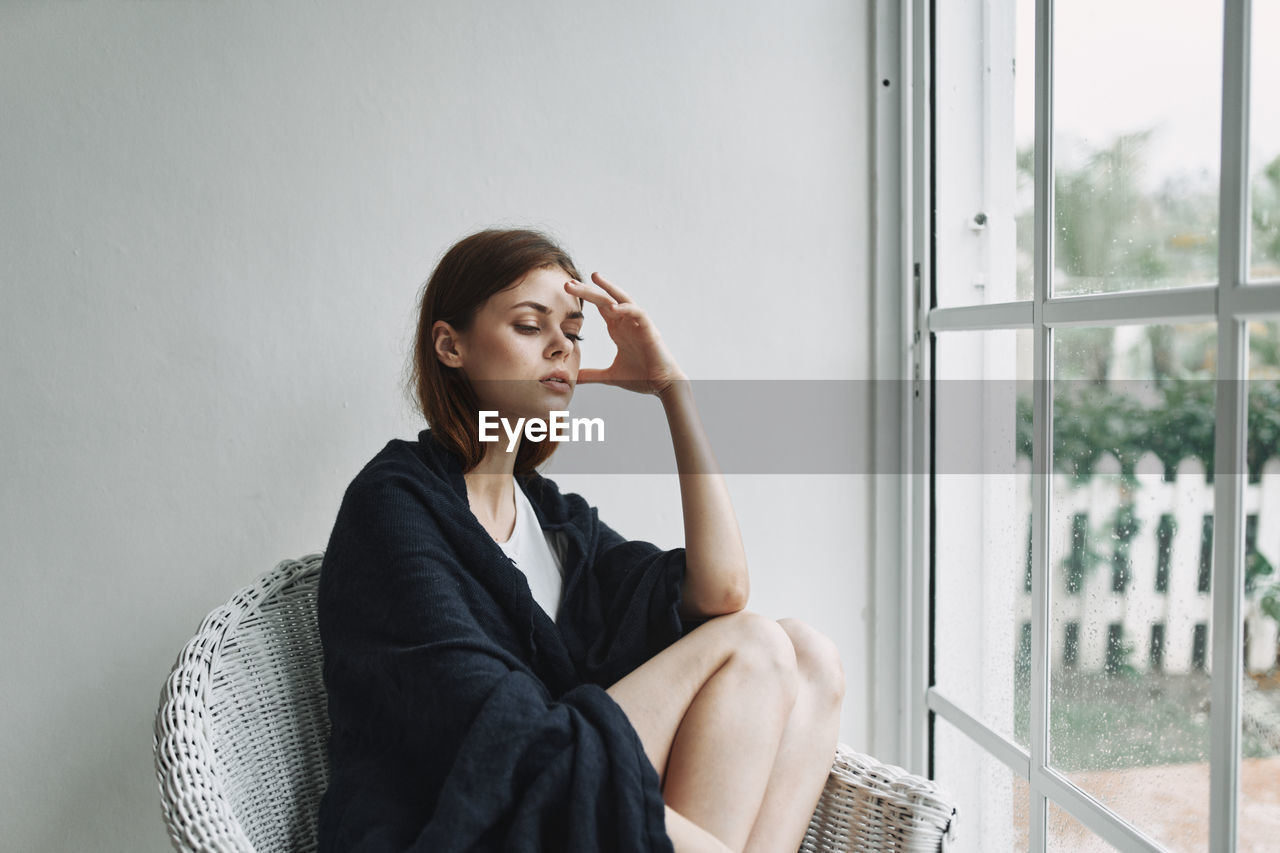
point(727, 743)
point(687, 837)
point(808, 744)
point(711, 710)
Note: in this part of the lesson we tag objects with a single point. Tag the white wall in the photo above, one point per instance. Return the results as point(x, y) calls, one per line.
point(216, 218)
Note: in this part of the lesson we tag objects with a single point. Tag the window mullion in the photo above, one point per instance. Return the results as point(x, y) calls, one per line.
point(1253, 299)
point(890, 304)
point(919, 617)
point(1042, 418)
point(1230, 424)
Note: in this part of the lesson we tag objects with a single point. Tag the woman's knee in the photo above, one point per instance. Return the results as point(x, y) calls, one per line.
point(763, 652)
point(817, 660)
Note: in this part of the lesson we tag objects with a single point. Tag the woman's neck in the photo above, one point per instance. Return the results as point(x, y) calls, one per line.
point(490, 485)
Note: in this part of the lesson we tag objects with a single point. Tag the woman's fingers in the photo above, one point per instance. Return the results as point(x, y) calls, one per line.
point(642, 362)
point(631, 311)
point(594, 294)
point(612, 289)
point(603, 293)
point(588, 375)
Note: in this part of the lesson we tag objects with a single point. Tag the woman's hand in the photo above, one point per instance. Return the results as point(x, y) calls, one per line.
point(643, 362)
point(715, 580)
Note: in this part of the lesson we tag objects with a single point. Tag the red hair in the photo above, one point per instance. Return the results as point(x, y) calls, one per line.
point(472, 270)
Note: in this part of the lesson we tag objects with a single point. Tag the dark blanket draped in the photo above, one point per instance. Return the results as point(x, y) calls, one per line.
point(463, 717)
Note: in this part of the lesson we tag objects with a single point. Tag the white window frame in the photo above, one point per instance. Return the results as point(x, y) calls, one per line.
point(903, 701)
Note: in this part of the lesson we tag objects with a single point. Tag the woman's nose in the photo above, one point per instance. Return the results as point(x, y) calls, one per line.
point(560, 344)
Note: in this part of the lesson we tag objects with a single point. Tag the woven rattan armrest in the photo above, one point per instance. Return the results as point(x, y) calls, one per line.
point(870, 806)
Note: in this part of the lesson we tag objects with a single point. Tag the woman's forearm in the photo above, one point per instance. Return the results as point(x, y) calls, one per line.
point(716, 579)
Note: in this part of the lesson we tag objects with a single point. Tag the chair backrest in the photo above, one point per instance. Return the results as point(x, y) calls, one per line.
point(242, 729)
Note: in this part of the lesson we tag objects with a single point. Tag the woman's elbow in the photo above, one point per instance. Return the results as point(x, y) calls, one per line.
point(735, 595)
point(716, 595)
point(735, 604)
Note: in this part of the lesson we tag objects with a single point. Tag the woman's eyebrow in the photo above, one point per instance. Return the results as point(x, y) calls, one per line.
point(542, 309)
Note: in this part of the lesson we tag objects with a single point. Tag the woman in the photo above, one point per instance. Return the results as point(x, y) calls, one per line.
point(493, 688)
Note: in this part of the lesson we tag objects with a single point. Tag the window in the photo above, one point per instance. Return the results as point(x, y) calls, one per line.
point(1094, 191)
point(1070, 644)
point(1123, 530)
point(1164, 551)
point(1206, 554)
point(1252, 569)
point(1199, 645)
point(1076, 561)
point(1157, 647)
point(1116, 651)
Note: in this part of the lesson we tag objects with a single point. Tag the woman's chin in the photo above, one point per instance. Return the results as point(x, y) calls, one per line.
point(541, 409)
point(555, 400)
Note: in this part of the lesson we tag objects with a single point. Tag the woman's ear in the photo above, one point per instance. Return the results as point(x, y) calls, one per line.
point(445, 342)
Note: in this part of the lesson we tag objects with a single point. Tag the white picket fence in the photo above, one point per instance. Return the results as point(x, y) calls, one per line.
point(1181, 613)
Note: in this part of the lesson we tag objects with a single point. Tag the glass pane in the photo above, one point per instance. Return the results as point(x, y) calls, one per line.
point(1068, 834)
point(1131, 557)
point(985, 123)
point(982, 512)
point(991, 802)
point(1136, 138)
point(1260, 698)
point(1024, 116)
point(1264, 144)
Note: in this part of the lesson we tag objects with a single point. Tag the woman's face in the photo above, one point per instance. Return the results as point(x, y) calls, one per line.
point(520, 339)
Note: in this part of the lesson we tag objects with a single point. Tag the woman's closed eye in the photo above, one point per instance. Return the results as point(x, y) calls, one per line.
point(532, 330)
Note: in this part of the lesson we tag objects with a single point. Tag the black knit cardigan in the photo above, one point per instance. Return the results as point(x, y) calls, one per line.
point(463, 717)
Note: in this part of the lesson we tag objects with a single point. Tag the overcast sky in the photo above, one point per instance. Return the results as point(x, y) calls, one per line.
point(1126, 65)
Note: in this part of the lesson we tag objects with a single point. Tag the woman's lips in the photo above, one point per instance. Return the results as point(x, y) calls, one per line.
point(557, 385)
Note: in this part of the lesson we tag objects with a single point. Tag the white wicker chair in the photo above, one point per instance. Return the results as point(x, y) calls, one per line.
point(240, 740)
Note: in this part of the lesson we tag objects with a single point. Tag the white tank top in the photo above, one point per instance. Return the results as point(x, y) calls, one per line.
point(532, 550)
